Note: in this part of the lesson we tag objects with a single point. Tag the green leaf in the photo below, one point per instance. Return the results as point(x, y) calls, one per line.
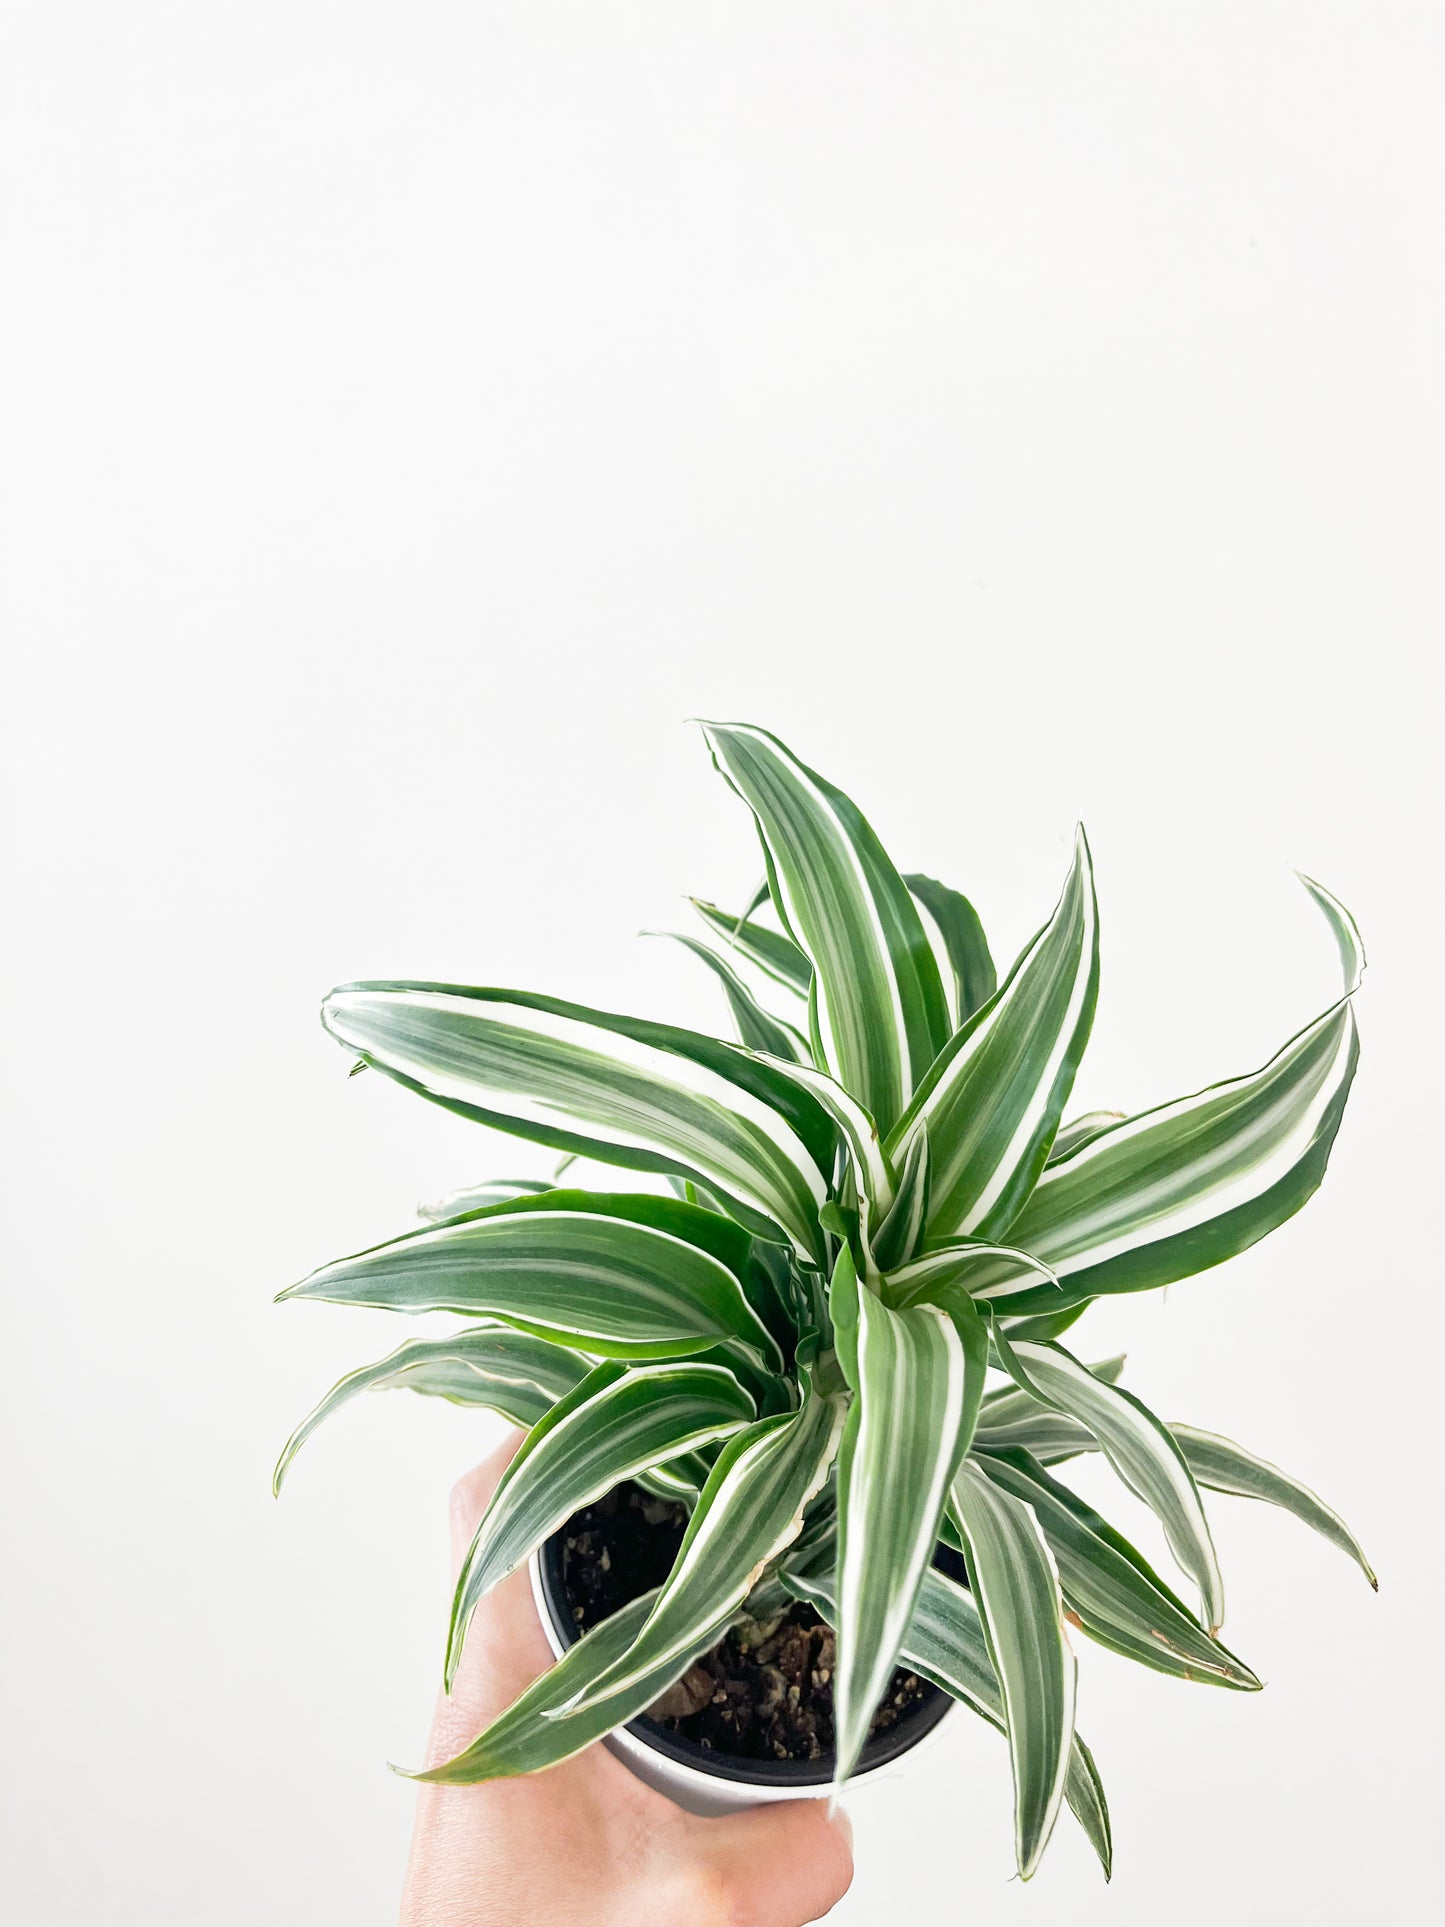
point(1224, 1466)
point(916, 1391)
point(1140, 1447)
point(616, 1423)
point(767, 950)
point(945, 1643)
point(617, 1275)
point(1013, 1405)
point(644, 1095)
point(757, 1029)
point(881, 1008)
point(750, 1509)
point(1012, 1576)
point(896, 1238)
point(1077, 1132)
point(476, 1197)
point(506, 1371)
point(954, 1266)
point(960, 936)
point(1176, 1190)
point(1218, 1464)
point(1117, 1597)
point(992, 1101)
point(536, 1732)
point(872, 1175)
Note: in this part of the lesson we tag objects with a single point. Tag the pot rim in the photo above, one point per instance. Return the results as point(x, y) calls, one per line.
point(700, 1766)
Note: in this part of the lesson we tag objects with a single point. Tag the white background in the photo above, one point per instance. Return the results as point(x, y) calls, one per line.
point(413, 414)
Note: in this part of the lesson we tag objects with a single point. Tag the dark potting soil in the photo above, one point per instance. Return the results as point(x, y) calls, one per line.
point(761, 1693)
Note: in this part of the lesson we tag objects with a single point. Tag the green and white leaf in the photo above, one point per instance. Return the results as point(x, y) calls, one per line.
point(776, 955)
point(945, 1643)
point(618, 1275)
point(955, 1265)
point(1013, 1405)
point(616, 1423)
point(896, 1237)
point(750, 1510)
point(507, 1371)
point(882, 1015)
point(992, 1101)
point(476, 1197)
point(646, 1095)
point(1015, 1583)
point(917, 1393)
point(872, 1174)
point(953, 929)
point(1116, 1595)
point(1140, 1447)
point(758, 1029)
point(1077, 1132)
point(1224, 1466)
point(1176, 1190)
point(536, 1731)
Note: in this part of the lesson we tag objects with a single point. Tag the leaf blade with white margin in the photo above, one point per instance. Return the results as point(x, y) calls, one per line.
point(960, 937)
point(1113, 1591)
point(1139, 1446)
point(882, 1013)
point(945, 1643)
point(1224, 1466)
point(536, 1732)
point(758, 1030)
point(1173, 1191)
point(649, 1096)
point(616, 1423)
point(750, 1509)
point(1012, 1576)
point(776, 955)
point(991, 1102)
point(614, 1274)
point(506, 1371)
point(911, 1399)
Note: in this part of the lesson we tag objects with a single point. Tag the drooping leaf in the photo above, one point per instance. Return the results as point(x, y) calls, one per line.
point(961, 938)
point(945, 1643)
point(916, 1389)
point(1178, 1189)
point(1140, 1447)
point(507, 1371)
point(750, 1509)
point(757, 1028)
point(1015, 1584)
point(872, 1174)
point(1226, 1467)
point(776, 955)
point(1112, 1590)
point(955, 1265)
point(992, 1101)
point(1217, 1464)
point(1012, 1404)
point(617, 1422)
point(535, 1731)
point(882, 1015)
point(618, 1275)
point(649, 1096)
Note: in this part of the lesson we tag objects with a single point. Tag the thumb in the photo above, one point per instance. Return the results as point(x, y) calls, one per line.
point(780, 1865)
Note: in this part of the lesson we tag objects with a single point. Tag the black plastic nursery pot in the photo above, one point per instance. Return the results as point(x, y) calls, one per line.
point(607, 1554)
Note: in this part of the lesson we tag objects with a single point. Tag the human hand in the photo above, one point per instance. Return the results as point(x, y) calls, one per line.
point(585, 1841)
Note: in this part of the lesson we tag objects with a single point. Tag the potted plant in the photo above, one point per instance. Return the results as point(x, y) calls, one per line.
point(790, 1482)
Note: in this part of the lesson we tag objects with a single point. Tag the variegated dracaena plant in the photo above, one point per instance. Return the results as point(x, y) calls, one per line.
point(877, 1205)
